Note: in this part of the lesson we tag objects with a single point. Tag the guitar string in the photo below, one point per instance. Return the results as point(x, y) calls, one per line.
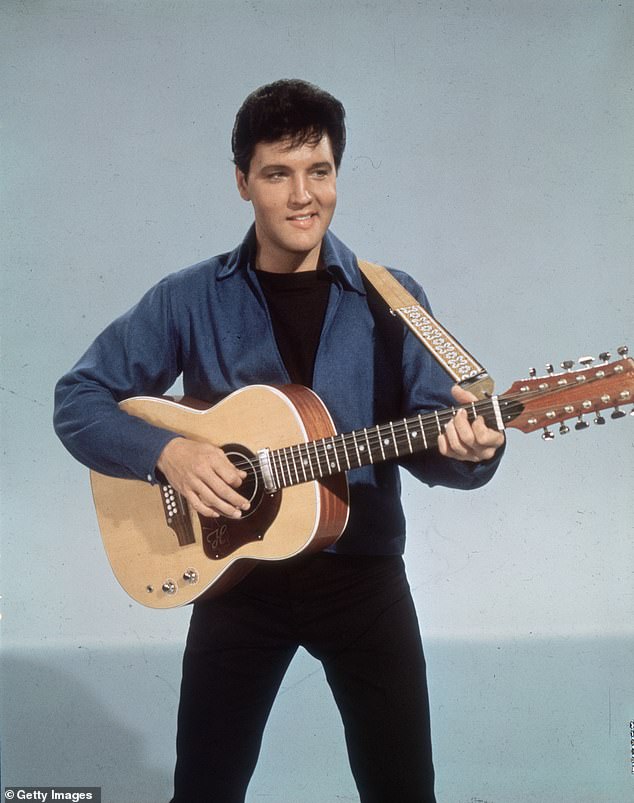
point(374, 435)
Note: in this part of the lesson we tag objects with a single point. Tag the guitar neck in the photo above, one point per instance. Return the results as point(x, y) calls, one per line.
point(528, 405)
point(317, 459)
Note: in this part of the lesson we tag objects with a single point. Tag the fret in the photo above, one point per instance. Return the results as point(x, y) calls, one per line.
point(328, 448)
point(409, 441)
point(320, 472)
point(286, 480)
point(288, 468)
point(307, 461)
point(290, 449)
point(356, 446)
point(279, 482)
point(422, 430)
point(367, 440)
point(285, 476)
point(345, 450)
point(394, 439)
point(438, 424)
point(334, 448)
point(301, 462)
point(378, 432)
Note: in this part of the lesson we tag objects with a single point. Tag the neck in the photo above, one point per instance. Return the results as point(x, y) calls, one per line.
point(273, 260)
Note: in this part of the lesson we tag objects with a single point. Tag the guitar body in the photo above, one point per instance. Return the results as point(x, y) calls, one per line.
point(166, 555)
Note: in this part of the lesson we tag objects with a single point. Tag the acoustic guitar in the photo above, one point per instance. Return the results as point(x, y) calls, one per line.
point(165, 555)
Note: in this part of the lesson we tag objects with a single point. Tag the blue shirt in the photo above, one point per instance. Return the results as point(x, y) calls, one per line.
point(211, 324)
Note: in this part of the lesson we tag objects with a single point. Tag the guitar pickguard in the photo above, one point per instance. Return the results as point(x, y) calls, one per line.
point(223, 536)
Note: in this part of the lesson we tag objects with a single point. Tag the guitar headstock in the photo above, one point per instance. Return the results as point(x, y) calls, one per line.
point(538, 402)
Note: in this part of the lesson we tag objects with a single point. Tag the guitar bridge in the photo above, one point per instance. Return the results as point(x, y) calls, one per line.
point(177, 514)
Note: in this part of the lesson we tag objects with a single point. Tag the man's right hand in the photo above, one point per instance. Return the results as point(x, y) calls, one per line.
point(205, 476)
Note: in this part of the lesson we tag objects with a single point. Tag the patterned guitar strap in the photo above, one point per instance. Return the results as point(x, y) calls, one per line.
point(454, 358)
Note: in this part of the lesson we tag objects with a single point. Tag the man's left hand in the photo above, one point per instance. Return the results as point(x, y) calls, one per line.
point(465, 440)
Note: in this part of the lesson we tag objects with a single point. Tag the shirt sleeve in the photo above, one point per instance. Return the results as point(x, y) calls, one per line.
point(136, 355)
point(427, 387)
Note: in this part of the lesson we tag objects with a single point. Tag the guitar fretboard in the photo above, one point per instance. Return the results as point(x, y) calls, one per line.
point(316, 459)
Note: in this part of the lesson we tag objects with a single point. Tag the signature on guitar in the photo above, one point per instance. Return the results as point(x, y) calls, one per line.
point(218, 537)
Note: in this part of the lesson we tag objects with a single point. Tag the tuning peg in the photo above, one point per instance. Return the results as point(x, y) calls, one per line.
point(623, 351)
point(567, 365)
point(599, 419)
point(547, 435)
point(532, 372)
point(564, 430)
point(581, 424)
point(605, 356)
point(549, 368)
point(585, 361)
point(617, 413)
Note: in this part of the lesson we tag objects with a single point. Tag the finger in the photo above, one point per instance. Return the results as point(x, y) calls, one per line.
point(209, 503)
point(485, 436)
point(443, 446)
point(455, 447)
point(227, 471)
point(199, 506)
point(218, 494)
point(463, 429)
point(462, 396)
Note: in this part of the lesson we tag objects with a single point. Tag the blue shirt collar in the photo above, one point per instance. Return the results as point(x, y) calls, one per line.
point(337, 258)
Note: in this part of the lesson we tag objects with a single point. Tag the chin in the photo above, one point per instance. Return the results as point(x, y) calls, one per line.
point(303, 246)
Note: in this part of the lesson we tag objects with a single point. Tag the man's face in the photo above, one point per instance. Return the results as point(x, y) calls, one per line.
point(294, 193)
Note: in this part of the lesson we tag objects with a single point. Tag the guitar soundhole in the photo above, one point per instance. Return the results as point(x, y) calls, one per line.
point(251, 487)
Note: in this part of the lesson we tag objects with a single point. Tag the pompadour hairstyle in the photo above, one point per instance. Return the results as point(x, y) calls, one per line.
point(291, 110)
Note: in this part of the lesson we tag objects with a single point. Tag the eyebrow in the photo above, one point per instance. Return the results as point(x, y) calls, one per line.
point(315, 165)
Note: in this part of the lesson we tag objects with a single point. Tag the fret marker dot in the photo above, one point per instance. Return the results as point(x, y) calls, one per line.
point(362, 448)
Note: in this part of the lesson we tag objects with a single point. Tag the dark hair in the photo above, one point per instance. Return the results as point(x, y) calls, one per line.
point(291, 110)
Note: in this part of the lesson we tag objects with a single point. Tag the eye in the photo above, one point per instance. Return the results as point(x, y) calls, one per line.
point(276, 175)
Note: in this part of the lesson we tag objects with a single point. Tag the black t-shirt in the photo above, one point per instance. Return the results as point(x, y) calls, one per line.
point(297, 305)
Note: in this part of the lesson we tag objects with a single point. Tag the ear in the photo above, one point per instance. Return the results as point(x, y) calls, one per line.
point(243, 187)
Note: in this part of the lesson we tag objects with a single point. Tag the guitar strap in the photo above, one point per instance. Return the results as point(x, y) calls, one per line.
point(454, 358)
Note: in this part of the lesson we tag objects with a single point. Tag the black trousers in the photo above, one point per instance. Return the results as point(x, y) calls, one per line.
point(356, 615)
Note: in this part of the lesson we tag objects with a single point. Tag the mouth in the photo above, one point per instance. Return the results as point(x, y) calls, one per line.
point(303, 220)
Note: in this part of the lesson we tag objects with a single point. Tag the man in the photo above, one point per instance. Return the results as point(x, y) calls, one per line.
point(288, 305)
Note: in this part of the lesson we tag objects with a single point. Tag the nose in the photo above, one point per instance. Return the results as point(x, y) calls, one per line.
point(300, 194)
